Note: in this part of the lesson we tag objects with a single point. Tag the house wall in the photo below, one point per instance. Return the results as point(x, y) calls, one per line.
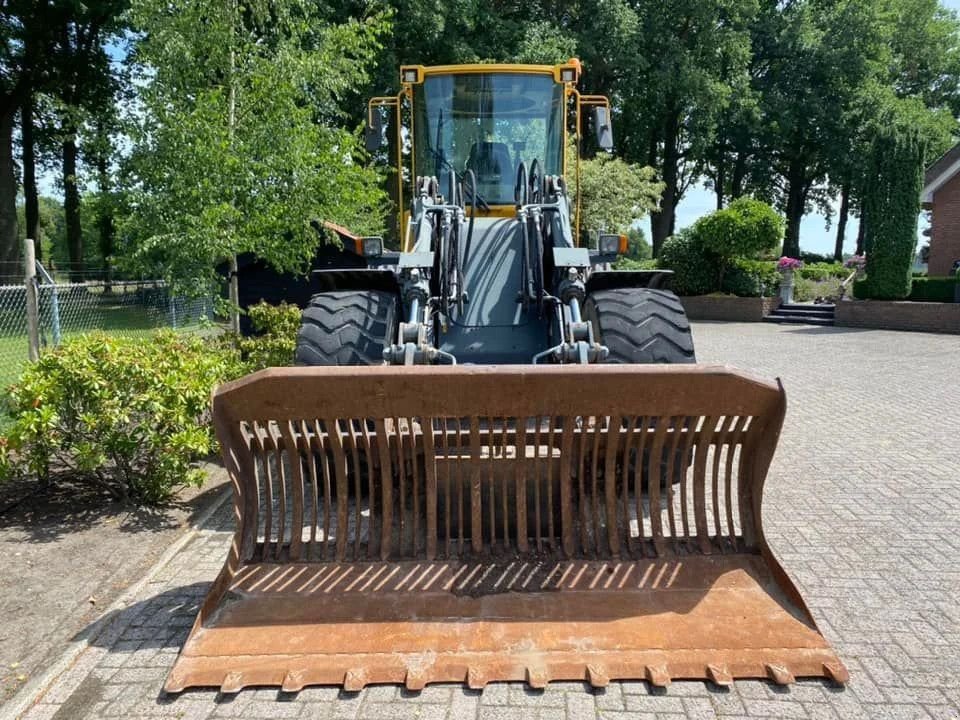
point(945, 233)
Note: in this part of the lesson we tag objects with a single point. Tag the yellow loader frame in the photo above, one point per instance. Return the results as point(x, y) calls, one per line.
point(568, 74)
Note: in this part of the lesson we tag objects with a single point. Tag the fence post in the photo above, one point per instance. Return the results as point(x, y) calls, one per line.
point(54, 303)
point(172, 302)
point(234, 295)
point(33, 309)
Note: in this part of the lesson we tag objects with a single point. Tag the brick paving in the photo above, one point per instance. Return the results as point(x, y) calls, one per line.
point(862, 507)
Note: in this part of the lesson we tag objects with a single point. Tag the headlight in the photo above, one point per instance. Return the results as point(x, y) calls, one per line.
point(568, 75)
point(372, 247)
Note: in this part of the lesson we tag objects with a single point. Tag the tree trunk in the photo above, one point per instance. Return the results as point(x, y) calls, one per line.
point(10, 270)
point(862, 232)
point(796, 205)
point(739, 176)
point(720, 178)
point(71, 206)
point(31, 203)
point(105, 224)
point(842, 222)
point(662, 222)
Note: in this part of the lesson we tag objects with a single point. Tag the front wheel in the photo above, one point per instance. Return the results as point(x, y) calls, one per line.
point(347, 328)
point(640, 325)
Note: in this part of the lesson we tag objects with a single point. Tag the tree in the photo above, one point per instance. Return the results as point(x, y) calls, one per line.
point(899, 151)
point(84, 85)
point(614, 195)
point(924, 41)
point(52, 230)
point(819, 55)
point(685, 58)
point(236, 141)
point(26, 41)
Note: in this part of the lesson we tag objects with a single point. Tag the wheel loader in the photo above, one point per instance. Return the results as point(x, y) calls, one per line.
point(496, 459)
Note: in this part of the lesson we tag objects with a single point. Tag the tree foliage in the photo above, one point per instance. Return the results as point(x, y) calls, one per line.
point(891, 204)
point(615, 194)
point(238, 138)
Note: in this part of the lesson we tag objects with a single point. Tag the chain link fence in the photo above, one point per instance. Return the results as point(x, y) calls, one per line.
point(68, 309)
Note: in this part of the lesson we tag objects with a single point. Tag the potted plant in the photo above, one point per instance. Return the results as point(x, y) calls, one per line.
point(787, 266)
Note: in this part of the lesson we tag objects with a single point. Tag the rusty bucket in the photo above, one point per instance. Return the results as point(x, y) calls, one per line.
point(476, 524)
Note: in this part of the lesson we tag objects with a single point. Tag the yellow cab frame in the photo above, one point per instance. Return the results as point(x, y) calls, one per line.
point(411, 76)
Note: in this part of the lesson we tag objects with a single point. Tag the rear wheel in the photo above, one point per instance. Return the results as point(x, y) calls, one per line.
point(347, 328)
point(640, 325)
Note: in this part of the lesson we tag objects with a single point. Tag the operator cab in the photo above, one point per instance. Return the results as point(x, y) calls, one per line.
point(488, 123)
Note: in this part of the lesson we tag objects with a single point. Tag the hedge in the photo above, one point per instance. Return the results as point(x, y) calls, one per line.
point(824, 271)
point(933, 289)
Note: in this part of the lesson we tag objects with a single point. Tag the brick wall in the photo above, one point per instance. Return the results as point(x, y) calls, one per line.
point(728, 307)
point(885, 315)
point(945, 235)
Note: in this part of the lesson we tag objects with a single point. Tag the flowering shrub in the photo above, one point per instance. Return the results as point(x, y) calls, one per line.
point(855, 262)
point(128, 415)
point(789, 263)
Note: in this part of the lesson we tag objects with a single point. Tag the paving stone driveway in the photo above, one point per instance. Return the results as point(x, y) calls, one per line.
point(862, 507)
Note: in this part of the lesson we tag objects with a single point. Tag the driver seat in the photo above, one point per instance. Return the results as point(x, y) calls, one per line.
point(488, 159)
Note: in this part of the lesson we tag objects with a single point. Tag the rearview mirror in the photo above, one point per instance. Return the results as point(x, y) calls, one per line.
point(601, 124)
point(373, 137)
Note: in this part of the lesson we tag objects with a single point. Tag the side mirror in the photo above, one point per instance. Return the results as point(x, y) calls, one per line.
point(373, 136)
point(601, 124)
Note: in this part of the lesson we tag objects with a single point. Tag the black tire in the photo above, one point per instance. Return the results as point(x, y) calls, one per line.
point(347, 328)
point(640, 325)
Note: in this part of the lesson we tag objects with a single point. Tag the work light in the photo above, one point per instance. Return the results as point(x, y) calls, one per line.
point(372, 246)
point(609, 244)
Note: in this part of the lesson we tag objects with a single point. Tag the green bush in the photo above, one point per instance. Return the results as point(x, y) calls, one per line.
point(626, 263)
point(744, 229)
point(860, 290)
point(805, 289)
point(810, 258)
point(694, 267)
point(751, 278)
point(824, 271)
point(275, 343)
point(933, 289)
point(126, 415)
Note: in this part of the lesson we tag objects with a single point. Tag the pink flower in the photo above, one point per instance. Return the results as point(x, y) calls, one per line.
point(855, 261)
point(789, 263)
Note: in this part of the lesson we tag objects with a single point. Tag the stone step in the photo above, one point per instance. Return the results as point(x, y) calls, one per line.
point(803, 313)
point(821, 308)
point(799, 319)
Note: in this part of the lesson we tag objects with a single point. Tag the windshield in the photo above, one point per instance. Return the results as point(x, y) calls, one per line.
point(488, 123)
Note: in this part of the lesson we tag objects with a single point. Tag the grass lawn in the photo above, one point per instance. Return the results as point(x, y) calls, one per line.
point(116, 319)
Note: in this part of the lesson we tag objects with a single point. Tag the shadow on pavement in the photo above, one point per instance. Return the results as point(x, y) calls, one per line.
point(46, 512)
